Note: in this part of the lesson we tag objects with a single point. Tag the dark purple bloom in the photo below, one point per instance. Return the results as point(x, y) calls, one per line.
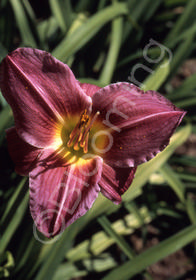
point(75, 140)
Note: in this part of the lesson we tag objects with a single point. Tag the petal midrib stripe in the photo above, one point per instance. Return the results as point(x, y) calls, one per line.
point(138, 121)
point(37, 89)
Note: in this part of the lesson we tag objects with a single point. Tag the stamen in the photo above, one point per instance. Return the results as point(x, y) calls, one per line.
point(85, 147)
point(79, 136)
point(76, 147)
point(73, 133)
point(81, 133)
point(68, 157)
point(89, 127)
point(73, 160)
point(72, 136)
point(78, 129)
point(66, 154)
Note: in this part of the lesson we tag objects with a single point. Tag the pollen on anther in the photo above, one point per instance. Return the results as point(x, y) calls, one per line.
point(84, 118)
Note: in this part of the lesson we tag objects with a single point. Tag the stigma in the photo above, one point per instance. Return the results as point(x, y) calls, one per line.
point(79, 137)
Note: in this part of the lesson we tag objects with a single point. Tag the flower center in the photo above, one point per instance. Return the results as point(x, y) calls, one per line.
point(79, 136)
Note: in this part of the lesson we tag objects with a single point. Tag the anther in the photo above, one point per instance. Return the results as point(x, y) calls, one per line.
point(89, 127)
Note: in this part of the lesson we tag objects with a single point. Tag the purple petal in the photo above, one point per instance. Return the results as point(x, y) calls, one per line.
point(140, 124)
point(89, 89)
point(42, 92)
point(23, 155)
point(59, 196)
point(116, 181)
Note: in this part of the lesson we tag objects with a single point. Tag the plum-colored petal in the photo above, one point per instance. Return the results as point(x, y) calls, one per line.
point(140, 124)
point(115, 181)
point(59, 196)
point(23, 155)
point(89, 89)
point(42, 91)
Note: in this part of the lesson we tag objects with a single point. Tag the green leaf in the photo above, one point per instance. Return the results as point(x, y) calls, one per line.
point(188, 102)
point(171, 3)
point(7, 25)
point(156, 51)
point(182, 52)
point(186, 19)
point(84, 33)
point(185, 160)
point(69, 270)
point(101, 5)
point(138, 15)
point(101, 241)
point(6, 264)
point(3, 52)
point(62, 12)
point(158, 77)
point(191, 210)
point(32, 22)
point(14, 201)
point(23, 24)
point(6, 120)
point(5, 117)
point(187, 177)
point(172, 178)
point(46, 29)
point(132, 208)
point(152, 255)
point(116, 37)
point(104, 222)
point(91, 81)
point(187, 87)
point(83, 5)
point(14, 223)
point(57, 250)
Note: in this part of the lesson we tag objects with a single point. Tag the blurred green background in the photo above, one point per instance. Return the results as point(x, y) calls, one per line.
point(152, 234)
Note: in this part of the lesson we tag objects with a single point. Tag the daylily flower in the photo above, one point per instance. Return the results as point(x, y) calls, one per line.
point(75, 140)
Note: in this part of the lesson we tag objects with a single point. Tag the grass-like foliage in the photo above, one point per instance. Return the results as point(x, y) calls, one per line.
point(152, 44)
